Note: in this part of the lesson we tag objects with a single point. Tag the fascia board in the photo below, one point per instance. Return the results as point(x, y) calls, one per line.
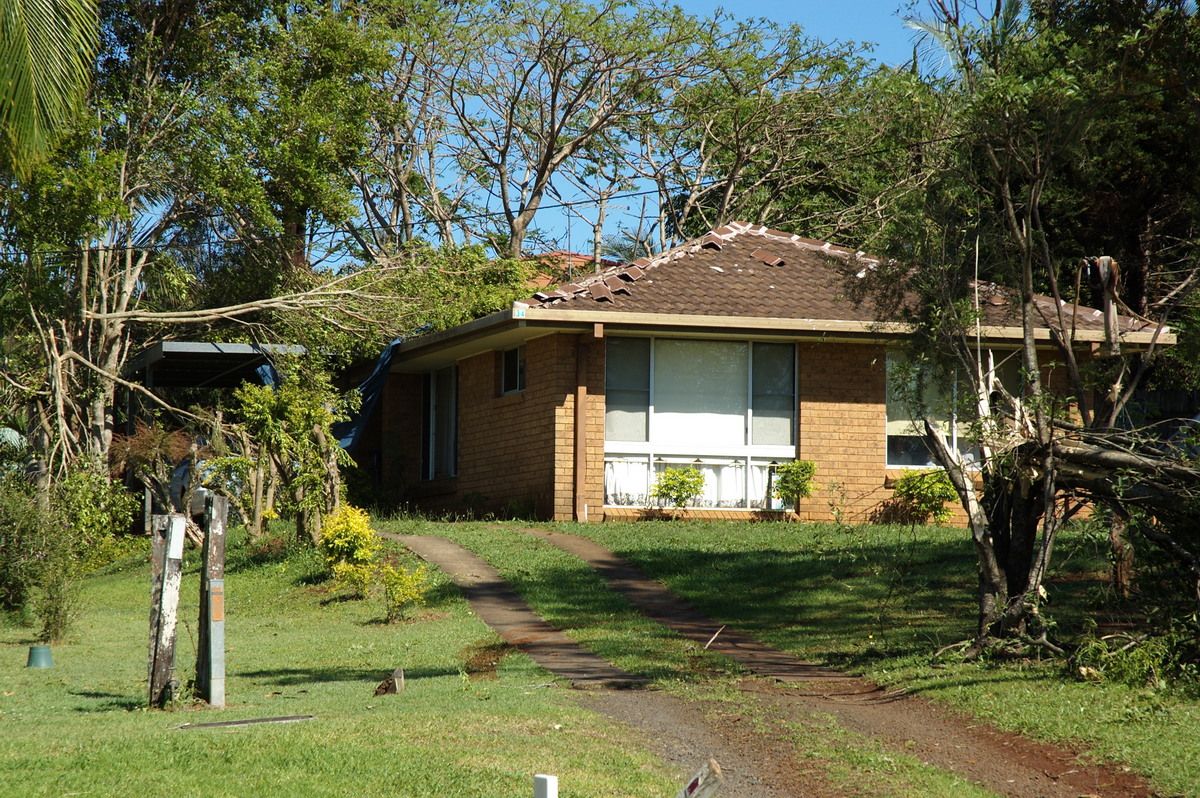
point(519, 323)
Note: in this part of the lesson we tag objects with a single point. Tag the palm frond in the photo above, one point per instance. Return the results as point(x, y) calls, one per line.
point(47, 48)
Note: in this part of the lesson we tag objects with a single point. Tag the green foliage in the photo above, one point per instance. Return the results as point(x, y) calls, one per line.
point(1159, 661)
point(678, 487)
point(20, 564)
point(352, 547)
point(794, 481)
point(454, 284)
point(291, 423)
point(403, 589)
point(46, 51)
point(353, 579)
point(48, 543)
point(922, 495)
point(347, 537)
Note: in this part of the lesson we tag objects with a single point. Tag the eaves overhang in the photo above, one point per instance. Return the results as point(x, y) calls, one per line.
point(518, 324)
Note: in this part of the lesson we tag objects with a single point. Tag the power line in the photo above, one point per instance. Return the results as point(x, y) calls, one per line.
point(459, 219)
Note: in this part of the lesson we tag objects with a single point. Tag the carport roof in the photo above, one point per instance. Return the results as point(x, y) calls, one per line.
point(199, 364)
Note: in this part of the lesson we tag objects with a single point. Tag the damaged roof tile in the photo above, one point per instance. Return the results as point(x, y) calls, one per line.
point(714, 275)
point(767, 257)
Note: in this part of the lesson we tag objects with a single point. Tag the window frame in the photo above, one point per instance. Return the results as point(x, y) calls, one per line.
point(517, 375)
point(756, 461)
point(435, 405)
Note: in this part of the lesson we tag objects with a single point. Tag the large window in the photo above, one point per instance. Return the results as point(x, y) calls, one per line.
point(440, 428)
point(727, 408)
point(913, 394)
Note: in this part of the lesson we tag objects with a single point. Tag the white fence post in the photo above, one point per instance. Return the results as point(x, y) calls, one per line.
point(545, 786)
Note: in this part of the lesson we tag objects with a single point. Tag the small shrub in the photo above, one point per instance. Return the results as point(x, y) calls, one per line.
point(921, 495)
point(678, 487)
point(75, 533)
point(794, 481)
point(351, 548)
point(20, 560)
point(347, 537)
point(403, 589)
point(354, 579)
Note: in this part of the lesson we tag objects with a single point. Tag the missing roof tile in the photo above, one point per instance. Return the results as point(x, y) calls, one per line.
point(768, 258)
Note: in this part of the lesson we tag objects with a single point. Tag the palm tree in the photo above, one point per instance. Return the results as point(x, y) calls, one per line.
point(46, 52)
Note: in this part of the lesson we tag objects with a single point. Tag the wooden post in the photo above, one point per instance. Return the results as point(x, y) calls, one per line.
point(210, 650)
point(169, 534)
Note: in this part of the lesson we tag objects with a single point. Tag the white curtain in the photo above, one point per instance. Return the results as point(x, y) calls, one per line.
point(626, 482)
point(759, 477)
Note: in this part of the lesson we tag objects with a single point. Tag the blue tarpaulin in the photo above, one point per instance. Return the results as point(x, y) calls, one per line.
point(349, 432)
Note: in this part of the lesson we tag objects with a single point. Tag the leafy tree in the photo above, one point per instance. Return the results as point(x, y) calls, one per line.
point(290, 426)
point(193, 134)
point(518, 92)
point(1027, 99)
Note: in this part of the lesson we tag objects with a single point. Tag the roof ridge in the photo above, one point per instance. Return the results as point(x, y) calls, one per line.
point(598, 286)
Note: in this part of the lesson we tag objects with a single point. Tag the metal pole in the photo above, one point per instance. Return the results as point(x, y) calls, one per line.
point(210, 653)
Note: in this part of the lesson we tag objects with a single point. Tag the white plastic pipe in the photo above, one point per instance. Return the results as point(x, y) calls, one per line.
point(545, 786)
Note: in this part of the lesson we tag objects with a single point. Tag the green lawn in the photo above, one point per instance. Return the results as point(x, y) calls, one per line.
point(80, 728)
point(874, 600)
point(880, 600)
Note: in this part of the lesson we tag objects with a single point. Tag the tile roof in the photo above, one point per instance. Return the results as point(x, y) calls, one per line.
point(744, 270)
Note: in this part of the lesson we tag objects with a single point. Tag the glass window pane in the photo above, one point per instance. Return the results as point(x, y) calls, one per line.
point(625, 415)
point(627, 389)
point(700, 392)
point(774, 395)
point(906, 445)
point(627, 363)
point(514, 370)
point(441, 408)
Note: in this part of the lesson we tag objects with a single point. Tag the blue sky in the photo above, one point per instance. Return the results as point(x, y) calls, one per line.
point(875, 21)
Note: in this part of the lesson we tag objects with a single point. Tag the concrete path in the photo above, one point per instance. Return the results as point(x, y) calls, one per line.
point(501, 608)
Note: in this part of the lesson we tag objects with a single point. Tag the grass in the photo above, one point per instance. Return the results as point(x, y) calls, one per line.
point(874, 600)
point(80, 727)
point(880, 600)
point(572, 597)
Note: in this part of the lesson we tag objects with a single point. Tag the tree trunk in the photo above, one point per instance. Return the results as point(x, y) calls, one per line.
point(1122, 554)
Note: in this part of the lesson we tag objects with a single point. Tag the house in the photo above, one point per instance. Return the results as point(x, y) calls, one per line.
point(733, 352)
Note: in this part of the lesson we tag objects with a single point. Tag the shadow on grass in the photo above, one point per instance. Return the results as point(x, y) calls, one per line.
point(125, 703)
point(837, 606)
point(294, 676)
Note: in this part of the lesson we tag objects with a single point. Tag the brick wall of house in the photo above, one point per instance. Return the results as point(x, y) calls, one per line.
point(520, 447)
point(506, 443)
point(516, 452)
point(399, 415)
point(842, 423)
point(593, 494)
